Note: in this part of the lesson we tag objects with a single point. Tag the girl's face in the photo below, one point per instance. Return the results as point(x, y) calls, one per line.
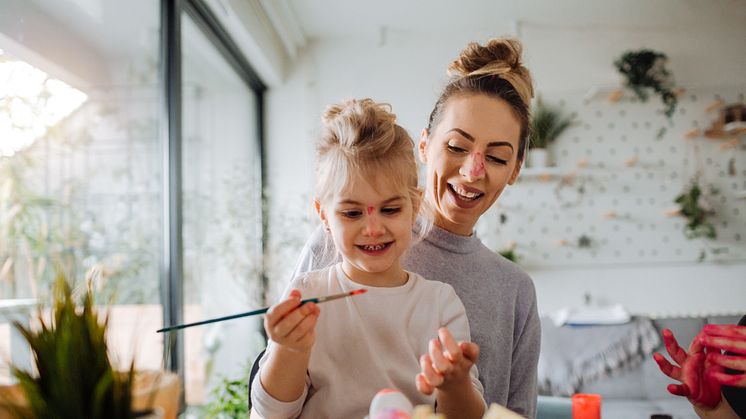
point(470, 156)
point(371, 227)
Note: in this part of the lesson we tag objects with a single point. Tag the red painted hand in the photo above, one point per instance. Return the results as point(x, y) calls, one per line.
point(692, 369)
point(730, 338)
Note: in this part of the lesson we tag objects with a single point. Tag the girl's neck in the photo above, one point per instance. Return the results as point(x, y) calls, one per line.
point(395, 276)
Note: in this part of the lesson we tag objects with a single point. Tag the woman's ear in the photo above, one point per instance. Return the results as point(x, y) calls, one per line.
point(417, 204)
point(516, 172)
point(422, 146)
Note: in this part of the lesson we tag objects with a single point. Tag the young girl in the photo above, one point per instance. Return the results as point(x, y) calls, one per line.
point(405, 332)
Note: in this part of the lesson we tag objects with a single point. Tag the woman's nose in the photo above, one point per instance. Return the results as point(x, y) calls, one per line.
point(473, 168)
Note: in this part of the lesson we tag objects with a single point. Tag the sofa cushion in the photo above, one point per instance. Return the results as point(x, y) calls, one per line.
point(678, 408)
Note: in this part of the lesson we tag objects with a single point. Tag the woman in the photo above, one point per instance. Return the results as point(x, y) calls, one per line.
point(473, 147)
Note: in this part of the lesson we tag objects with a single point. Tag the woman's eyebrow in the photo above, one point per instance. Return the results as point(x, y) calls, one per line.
point(490, 144)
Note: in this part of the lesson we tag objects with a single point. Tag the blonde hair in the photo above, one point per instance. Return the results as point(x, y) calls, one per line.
point(361, 140)
point(494, 69)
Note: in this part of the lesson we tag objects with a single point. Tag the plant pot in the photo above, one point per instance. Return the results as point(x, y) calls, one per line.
point(157, 390)
point(538, 158)
point(12, 401)
point(154, 392)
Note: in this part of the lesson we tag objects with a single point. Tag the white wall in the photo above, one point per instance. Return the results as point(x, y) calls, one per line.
point(408, 71)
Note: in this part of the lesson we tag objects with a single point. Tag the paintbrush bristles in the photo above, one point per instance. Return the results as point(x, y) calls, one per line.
point(341, 295)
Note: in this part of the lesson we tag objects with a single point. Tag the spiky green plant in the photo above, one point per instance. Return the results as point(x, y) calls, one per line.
point(547, 123)
point(75, 376)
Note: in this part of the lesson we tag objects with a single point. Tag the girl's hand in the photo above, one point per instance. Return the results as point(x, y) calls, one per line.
point(692, 369)
point(290, 326)
point(448, 364)
point(730, 338)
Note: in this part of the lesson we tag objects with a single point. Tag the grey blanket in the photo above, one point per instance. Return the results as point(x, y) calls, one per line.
point(573, 356)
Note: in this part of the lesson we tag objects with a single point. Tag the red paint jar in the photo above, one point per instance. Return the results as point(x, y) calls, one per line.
point(586, 406)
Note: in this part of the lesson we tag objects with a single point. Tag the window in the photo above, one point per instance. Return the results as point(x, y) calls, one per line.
point(82, 177)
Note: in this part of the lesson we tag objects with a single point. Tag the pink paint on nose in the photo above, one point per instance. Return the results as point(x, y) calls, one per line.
point(370, 210)
point(477, 165)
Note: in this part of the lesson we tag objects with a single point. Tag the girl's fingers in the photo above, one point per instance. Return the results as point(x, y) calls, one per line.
point(423, 386)
point(470, 351)
point(431, 376)
point(673, 348)
point(286, 325)
point(666, 367)
point(440, 363)
point(453, 352)
point(281, 309)
point(308, 323)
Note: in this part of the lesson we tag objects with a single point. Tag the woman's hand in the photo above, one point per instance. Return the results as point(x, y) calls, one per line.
point(692, 369)
point(730, 338)
point(290, 326)
point(447, 365)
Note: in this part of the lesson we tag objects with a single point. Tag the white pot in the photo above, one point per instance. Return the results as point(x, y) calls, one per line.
point(538, 158)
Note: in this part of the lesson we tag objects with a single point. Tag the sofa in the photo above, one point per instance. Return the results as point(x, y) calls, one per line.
point(637, 389)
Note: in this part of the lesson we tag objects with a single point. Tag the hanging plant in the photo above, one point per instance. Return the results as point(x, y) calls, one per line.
point(698, 215)
point(644, 70)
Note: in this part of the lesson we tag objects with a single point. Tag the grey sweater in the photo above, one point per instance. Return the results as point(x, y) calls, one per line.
point(500, 303)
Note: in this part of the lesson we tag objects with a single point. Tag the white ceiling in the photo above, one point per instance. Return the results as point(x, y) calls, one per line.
point(353, 18)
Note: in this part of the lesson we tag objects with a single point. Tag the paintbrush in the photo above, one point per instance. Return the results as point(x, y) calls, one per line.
point(317, 300)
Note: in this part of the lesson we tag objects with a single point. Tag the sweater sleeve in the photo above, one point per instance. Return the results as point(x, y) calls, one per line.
point(523, 372)
point(453, 316)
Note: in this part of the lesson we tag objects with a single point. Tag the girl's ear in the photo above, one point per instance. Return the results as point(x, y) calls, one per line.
point(422, 146)
point(322, 214)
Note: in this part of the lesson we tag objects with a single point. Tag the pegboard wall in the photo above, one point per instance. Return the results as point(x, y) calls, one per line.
point(609, 196)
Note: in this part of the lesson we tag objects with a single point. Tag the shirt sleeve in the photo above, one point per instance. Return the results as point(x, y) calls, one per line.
point(523, 393)
point(453, 316)
point(267, 406)
point(263, 403)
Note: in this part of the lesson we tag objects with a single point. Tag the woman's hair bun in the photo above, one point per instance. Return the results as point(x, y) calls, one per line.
point(497, 57)
point(500, 57)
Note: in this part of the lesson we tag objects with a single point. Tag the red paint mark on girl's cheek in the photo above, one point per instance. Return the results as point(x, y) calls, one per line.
point(370, 210)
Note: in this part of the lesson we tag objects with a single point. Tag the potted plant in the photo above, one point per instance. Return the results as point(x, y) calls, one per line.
point(74, 375)
point(547, 124)
point(645, 70)
point(697, 214)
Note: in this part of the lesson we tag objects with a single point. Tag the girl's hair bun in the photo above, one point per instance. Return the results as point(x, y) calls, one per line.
point(360, 127)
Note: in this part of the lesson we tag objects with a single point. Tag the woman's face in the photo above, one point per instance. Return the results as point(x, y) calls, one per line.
point(470, 156)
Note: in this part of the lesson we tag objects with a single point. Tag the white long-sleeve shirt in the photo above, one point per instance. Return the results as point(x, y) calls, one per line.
point(366, 343)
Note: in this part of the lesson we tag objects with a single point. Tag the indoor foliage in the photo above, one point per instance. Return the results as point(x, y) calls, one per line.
point(646, 70)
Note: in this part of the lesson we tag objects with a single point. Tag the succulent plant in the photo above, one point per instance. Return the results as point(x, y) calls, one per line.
point(75, 376)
